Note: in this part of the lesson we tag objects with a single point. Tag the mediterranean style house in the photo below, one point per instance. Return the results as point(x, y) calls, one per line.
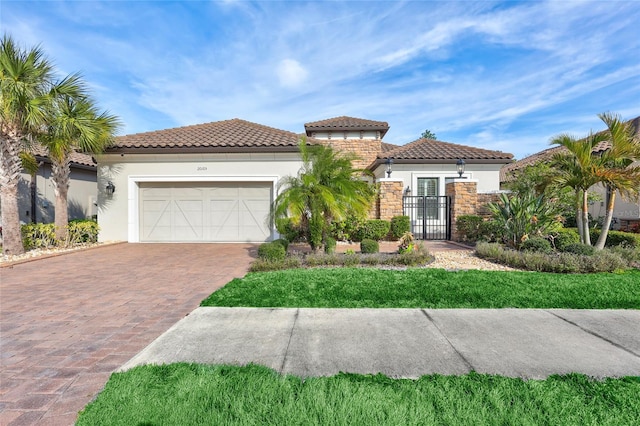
point(215, 182)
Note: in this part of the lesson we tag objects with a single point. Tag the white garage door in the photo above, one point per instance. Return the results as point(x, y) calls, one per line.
point(203, 211)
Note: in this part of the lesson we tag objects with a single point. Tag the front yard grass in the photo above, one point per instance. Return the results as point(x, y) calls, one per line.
point(429, 288)
point(190, 394)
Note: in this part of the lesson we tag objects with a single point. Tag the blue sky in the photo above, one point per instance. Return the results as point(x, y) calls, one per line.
point(492, 74)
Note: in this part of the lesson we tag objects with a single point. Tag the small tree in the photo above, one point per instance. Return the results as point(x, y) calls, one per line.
point(326, 188)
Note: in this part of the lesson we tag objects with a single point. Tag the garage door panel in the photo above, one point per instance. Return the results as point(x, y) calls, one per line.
point(217, 212)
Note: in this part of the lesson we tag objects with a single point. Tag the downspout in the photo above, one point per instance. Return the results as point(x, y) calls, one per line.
point(34, 192)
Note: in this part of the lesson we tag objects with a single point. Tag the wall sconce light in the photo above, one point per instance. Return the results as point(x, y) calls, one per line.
point(407, 191)
point(389, 162)
point(460, 167)
point(111, 188)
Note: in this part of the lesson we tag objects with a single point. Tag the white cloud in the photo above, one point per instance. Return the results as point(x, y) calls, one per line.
point(291, 73)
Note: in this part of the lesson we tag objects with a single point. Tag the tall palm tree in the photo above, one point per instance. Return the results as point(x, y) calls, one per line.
point(577, 170)
point(75, 125)
point(616, 169)
point(27, 86)
point(326, 188)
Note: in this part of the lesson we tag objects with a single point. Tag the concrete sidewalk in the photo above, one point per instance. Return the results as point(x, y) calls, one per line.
point(527, 343)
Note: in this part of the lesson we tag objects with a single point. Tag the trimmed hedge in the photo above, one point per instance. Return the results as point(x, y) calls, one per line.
point(537, 244)
point(564, 237)
point(470, 227)
point(369, 246)
point(373, 229)
point(400, 225)
point(616, 238)
point(271, 252)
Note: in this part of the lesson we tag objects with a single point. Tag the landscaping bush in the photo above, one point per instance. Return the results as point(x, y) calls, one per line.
point(369, 246)
point(347, 230)
point(82, 231)
point(564, 237)
point(536, 244)
point(38, 235)
point(373, 229)
point(284, 243)
point(288, 230)
point(579, 248)
point(417, 256)
point(470, 227)
point(407, 243)
point(601, 261)
point(263, 265)
point(617, 238)
point(400, 225)
point(329, 245)
point(271, 252)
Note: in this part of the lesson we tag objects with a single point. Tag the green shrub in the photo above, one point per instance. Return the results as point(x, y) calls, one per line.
point(82, 231)
point(347, 230)
point(400, 225)
point(263, 265)
point(283, 242)
point(579, 248)
point(490, 231)
point(601, 261)
point(536, 244)
point(407, 243)
point(369, 246)
point(271, 252)
point(419, 255)
point(288, 230)
point(329, 245)
point(470, 227)
point(617, 238)
point(38, 235)
point(373, 229)
point(313, 260)
point(564, 237)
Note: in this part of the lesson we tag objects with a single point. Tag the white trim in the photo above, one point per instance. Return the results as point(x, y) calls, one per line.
point(133, 216)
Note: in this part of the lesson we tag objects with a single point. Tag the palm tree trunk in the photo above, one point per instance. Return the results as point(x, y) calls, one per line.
point(10, 168)
point(585, 218)
point(579, 216)
point(602, 239)
point(60, 173)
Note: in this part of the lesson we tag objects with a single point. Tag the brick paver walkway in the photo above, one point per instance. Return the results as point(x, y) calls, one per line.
point(67, 322)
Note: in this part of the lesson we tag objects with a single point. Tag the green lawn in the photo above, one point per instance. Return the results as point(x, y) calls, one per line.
point(191, 394)
point(429, 288)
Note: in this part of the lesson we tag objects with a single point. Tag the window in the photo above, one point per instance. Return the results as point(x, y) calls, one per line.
point(428, 188)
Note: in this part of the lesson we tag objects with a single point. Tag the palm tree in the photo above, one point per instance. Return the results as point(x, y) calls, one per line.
point(326, 188)
point(75, 125)
point(577, 170)
point(615, 167)
point(27, 86)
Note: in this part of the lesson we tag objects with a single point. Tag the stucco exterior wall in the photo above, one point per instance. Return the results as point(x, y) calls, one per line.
point(118, 215)
point(82, 197)
point(487, 175)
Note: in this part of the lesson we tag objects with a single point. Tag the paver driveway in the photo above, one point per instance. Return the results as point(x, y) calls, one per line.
point(67, 322)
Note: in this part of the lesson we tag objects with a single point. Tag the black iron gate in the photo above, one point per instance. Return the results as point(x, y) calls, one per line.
point(430, 216)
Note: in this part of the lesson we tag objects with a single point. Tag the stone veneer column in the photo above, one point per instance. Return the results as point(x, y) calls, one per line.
point(464, 200)
point(390, 198)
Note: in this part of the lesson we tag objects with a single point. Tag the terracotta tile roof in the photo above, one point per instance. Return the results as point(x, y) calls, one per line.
point(77, 158)
point(429, 149)
point(232, 134)
point(386, 147)
point(346, 123)
point(507, 172)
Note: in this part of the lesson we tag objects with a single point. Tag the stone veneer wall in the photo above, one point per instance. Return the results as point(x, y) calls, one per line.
point(389, 203)
point(367, 150)
point(464, 200)
point(483, 200)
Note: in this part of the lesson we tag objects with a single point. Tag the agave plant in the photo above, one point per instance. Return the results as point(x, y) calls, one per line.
point(523, 216)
